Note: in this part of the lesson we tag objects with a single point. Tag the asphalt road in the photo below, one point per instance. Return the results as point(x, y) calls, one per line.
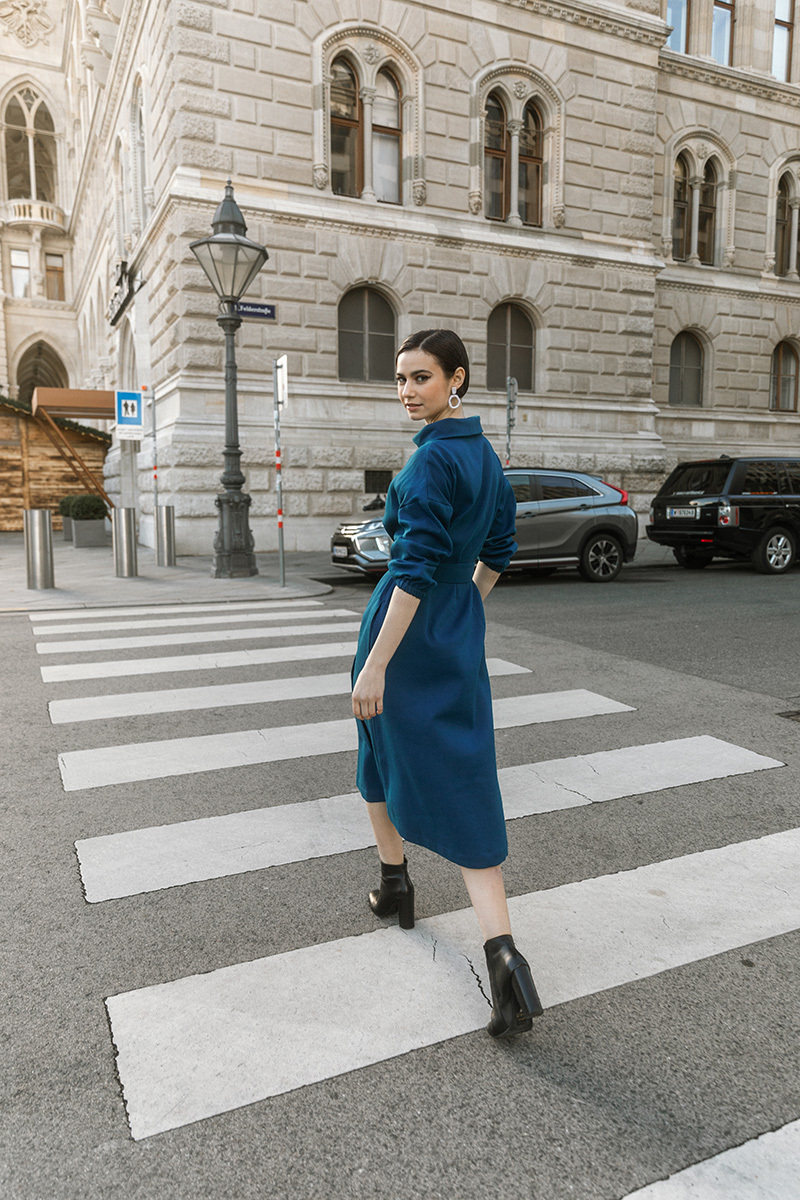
point(614, 1089)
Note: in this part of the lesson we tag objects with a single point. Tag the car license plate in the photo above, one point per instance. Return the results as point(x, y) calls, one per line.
point(340, 551)
point(689, 513)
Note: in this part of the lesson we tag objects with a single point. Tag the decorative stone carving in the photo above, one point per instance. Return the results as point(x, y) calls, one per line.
point(475, 202)
point(521, 89)
point(26, 19)
point(666, 247)
point(559, 216)
point(371, 54)
point(769, 263)
point(320, 176)
point(419, 191)
point(729, 256)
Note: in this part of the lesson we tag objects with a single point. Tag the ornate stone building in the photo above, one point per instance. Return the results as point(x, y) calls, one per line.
point(601, 197)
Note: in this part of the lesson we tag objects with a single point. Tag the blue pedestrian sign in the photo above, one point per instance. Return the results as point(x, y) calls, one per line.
point(258, 312)
point(130, 415)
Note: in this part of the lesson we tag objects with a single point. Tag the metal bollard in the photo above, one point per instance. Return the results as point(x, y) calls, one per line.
point(38, 525)
point(123, 528)
point(165, 535)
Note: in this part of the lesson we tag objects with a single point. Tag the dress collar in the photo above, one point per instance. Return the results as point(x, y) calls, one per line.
point(448, 428)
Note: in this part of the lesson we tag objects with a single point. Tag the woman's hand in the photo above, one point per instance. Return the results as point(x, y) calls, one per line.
point(368, 693)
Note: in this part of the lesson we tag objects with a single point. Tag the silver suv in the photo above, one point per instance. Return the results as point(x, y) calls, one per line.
point(564, 519)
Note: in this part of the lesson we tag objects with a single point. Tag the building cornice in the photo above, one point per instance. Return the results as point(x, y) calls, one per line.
point(743, 83)
point(604, 18)
point(746, 286)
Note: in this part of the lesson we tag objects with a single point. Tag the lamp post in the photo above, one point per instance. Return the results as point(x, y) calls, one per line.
point(231, 261)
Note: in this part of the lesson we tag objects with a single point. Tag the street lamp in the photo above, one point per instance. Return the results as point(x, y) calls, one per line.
point(231, 262)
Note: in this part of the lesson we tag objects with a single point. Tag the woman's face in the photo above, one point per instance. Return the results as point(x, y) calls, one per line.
point(423, 387)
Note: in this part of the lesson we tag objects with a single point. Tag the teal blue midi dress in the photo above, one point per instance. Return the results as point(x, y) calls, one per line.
point(430, 755)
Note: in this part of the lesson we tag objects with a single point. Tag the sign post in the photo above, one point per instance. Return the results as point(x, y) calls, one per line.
point(511, 413)
point(129, 408)
point(280, 394)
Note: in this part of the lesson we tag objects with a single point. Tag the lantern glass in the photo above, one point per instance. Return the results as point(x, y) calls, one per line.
point(230, 261)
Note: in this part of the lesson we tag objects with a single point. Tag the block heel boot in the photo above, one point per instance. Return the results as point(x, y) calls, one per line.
point(514, 998)
point(395, 895)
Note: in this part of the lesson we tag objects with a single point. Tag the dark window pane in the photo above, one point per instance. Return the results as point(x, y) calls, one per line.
point(556, 487)
point(782, 228)
point(530, 193)
point(377, 481)
point(44, 156)
point(18, 171)
point(510, 348)
point(351, 311)
point(344, 147)
point(583, 489)
point(521, 487)
point(521, 367)
point(495, 125)
point(783, 382)
point(15, 114)
point(386, 106)
point(381, 357)
point(761, 479)
point(351, 355)
point(530, 138)
point(697, 479)
point(380, 316)
point(43, 120)
point(793, 477)
point(344, 94)
point(519, 326)
point(686, 372)
point(494, 178)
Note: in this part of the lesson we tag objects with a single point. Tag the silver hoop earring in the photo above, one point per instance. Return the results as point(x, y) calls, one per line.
point(454, 396)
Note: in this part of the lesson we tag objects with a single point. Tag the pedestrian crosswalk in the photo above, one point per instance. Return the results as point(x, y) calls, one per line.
point(192, 1047)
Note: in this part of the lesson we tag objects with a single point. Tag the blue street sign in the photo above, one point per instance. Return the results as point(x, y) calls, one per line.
point(129, 408)
point(260, 312)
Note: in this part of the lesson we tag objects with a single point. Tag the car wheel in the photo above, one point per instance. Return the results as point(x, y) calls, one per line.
point(601, 559)
point(692, 560)
point(774, 554)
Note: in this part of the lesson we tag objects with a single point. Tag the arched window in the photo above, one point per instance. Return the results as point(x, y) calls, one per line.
point(509, 348)
point(387, 134)
point(681, 222)
point(346, 152)
point(787, 251)
point(686, 372)
point(40, 366)
point(530, 166)
point(366, 336)
point(30, 148)
point(497, 168)
point(783, 379)
point(707, 222)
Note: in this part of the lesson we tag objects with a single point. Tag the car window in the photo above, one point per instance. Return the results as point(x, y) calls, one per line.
point(521, 487)
point(583, 489)
point(793, 477)
point(761, 479)
point(697, 479)
point(556, 487)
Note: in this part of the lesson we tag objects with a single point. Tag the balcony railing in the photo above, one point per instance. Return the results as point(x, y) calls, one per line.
point(32, 212)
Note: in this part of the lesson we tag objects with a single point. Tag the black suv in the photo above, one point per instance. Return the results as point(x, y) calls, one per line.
point(739, 508)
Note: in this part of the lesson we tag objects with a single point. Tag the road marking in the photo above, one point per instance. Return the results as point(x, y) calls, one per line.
point(174, 663)
point(210, 1043)
point(259, 691)
point(146, 860)
point(220, 751)
point(766, 1168)
point(285, 613)
point(88, 645)
point(76, 614)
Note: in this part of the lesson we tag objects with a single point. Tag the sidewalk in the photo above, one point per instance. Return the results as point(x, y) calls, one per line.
point(85, 579)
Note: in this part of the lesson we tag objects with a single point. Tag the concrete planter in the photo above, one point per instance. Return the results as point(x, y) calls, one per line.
point(89, 533)
point(67, 528)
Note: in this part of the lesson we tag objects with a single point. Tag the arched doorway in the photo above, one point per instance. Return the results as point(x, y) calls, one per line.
point(39, 366)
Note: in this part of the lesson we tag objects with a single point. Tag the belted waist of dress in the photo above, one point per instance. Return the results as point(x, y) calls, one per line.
point(454, 572)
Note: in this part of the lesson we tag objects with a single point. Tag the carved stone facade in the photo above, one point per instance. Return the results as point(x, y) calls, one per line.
point(154, 106)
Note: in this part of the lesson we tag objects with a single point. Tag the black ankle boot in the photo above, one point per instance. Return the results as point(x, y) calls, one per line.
point(396, 894)
point(514, 998)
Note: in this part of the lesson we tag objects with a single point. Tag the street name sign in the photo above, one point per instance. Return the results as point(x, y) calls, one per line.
point(130, 416)
point(257, 312)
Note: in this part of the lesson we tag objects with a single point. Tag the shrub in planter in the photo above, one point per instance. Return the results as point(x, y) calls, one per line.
point(88, 521)
point(64, 508)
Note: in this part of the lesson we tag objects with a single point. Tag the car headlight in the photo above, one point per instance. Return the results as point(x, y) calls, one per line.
point(378, 546)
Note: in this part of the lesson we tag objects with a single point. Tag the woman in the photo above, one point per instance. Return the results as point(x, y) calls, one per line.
point(426, 761)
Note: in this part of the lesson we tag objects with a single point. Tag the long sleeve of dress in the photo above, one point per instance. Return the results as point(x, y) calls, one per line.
point(423, 514)
point(500, 545)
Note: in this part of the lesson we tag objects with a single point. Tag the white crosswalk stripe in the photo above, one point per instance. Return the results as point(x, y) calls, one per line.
point(145, 610)
point(218, 751)
point(189, 1048)
point(209, 1043)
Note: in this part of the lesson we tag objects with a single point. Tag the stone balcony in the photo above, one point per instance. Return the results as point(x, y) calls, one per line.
point(32, 212)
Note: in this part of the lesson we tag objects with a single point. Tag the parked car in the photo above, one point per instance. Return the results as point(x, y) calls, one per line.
point(564, 519)
point(736, 508)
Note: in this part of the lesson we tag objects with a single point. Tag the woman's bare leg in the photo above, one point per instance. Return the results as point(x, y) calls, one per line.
point(390, 844)
point(488, 895)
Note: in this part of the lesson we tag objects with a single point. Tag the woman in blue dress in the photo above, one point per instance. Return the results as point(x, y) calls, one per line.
point(421, 695)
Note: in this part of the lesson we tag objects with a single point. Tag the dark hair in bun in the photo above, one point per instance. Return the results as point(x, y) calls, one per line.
point(446, 347)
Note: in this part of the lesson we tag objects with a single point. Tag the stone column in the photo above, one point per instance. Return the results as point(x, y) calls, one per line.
point(695, 183)
point(367, 100)
point(37, 264)
point(794, 206)
point(514, 130)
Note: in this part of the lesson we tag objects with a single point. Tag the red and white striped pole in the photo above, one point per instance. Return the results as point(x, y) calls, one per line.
point(279, 386)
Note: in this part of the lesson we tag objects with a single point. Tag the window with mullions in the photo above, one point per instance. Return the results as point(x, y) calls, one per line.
point(787, 254)
point(681, 222)
point(366, 337)
point(783, 379)
point(678, 18)
point(54, 276)
point(496, 166)
point(30, 148)
point(530, 166)
point(510, 348)
point(20, 274)
point(782, 40)
point(387, 134)
point(686, 372)
point(345, 130)
point(722, 32)
point(707, 218)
